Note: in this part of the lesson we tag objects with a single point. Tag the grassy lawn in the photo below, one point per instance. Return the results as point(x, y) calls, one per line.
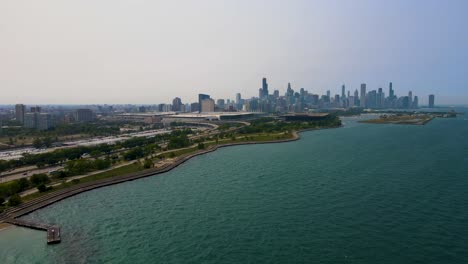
point(111, 173)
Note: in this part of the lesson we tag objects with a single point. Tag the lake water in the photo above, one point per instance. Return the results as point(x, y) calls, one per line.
point(358, 194)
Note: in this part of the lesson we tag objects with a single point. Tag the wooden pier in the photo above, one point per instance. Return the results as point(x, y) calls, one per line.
point(53, 232)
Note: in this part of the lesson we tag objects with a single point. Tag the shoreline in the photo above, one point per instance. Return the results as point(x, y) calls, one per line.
point(53, 197)
point(5, 226)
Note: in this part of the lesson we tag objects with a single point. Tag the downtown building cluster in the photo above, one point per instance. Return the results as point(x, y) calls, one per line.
point(299, 101)
point(291, 100)
point(302, 100)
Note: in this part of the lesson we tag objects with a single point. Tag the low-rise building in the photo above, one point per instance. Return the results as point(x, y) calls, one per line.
point(84, 115)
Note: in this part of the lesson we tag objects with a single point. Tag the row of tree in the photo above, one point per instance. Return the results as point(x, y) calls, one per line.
point(176, 138)
point(15, 187)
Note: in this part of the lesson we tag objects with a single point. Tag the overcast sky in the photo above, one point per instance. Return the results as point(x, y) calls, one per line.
point(132, 51)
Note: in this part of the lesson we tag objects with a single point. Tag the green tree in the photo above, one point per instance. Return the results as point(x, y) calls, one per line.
point(101, 164)
point(201, 145)
point(47, 142)
point(41, 188)
point(14, 200)
point(135, 153)
point(38, 179)
point(23, 184)
point(37, 143)
point(148, 164)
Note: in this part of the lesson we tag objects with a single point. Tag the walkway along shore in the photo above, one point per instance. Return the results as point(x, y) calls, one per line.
point(10, 215)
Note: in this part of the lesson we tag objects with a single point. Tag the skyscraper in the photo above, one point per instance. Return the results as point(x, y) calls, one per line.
point(202, 97)
point(380, 98)
point(238, 98)
point(391, 93)
point(289, 91)
point(276, 93)
point(264, 88)
point(415, 102)
point(343, 95)
point(410, 99)
point(19, 112)
point(363, 95)
point(431, 101)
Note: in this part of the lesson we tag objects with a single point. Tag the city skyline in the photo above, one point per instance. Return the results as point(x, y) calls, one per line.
point(264, 94)
point(135, 52)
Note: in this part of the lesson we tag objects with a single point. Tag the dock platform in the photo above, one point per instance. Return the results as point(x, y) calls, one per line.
point(53, 232)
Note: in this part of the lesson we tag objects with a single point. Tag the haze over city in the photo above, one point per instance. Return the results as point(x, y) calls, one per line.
point(84, 52)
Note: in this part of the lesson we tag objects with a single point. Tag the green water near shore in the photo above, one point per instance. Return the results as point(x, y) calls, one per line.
point(359, 194)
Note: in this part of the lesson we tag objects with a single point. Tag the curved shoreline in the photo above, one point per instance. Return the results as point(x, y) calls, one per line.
point(53, 197)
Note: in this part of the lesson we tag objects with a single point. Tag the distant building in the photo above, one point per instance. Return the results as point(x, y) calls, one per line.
point(84, 115)
point(264, 90)
point(39, 121)
point(20, 110)
point(45, 121)
point(194, 107)
point(363, 95)
point(391, 92)
point(431, 101)
point(177, 104)
point(380, 98)
point(220, 103)
point(202, 97)
point(410, 99)
point(167, 108)
point(239, 101)
point(238, 98)
point(416, 102)
point(30, 120)
point(207, 105)
point(36, 109)
point(276, 93)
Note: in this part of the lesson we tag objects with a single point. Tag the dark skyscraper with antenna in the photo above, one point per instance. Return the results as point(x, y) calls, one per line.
point(264, 88)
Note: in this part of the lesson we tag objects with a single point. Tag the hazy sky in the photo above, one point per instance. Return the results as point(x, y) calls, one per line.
point(132, 51)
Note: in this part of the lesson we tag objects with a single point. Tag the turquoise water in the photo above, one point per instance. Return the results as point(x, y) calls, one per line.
point(358, 194)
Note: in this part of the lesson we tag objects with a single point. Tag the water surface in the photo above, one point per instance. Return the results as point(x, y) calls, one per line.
point(359, 194)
